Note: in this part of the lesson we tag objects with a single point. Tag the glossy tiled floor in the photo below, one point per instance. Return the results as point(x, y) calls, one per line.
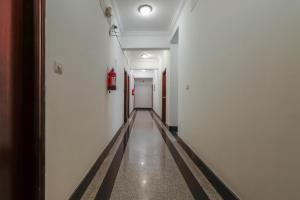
point(148, 170)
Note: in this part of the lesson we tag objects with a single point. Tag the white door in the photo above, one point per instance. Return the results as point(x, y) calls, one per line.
point(143, 93)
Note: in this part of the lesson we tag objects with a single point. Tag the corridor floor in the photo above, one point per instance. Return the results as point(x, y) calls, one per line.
point(148, 170)
point(149, 165)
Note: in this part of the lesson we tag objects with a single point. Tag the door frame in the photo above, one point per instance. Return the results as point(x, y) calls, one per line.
point(152, 93)
point(40, 15)
point(126, 96)
point(24, 90)
point(164, 97)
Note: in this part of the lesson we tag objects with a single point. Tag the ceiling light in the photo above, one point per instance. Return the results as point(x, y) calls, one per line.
point(146, 55)
point(145, 9)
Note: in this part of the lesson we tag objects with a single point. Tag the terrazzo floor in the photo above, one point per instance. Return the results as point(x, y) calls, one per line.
point(148, 170)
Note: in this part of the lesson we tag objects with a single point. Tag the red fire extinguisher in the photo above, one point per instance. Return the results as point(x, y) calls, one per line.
point(111, 80)
point(132, 92)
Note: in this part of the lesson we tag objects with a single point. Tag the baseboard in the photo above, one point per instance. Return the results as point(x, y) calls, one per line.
point(130, 115)
point(143, 109)
point(173, 129)
point(78, 193)
point(222, 189)
point(191, 181)
point(157, 115)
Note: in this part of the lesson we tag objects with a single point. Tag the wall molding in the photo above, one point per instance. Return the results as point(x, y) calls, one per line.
point(173, 129)
point(117, 16)
point(157, 115)
point(176, 16)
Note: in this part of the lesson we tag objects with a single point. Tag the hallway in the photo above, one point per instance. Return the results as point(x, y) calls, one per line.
point(149, 100)
point(146, 169)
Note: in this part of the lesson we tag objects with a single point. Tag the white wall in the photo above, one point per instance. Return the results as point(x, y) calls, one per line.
point(173, 108)
point(157, 92)
point(81, 117)
point(241, 114)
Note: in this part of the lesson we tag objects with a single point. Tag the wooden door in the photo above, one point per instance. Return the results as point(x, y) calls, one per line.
point(21, 99)
point(164, 95)
point(126, 96)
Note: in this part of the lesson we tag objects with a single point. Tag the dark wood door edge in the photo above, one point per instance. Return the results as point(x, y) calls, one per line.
point(4, 158)
point(78, 193)
point(39, 43)
point(164, 97)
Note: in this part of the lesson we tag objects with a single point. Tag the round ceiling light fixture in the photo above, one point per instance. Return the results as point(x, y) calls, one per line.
point(145, 55)
point(145, 9)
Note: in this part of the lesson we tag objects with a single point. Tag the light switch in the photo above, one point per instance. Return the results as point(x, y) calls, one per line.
point(58, 67)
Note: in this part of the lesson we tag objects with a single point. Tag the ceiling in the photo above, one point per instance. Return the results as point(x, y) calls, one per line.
point(136, 54)
point(137, 62)
point(165, 13)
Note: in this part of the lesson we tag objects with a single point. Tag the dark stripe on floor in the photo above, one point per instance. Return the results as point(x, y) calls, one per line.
point(107, 185)
point(188, 176)
point(78, 193)
point(222, 189)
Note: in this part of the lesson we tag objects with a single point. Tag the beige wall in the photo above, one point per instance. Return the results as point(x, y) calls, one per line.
point(241, 114)
point(81, 117)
